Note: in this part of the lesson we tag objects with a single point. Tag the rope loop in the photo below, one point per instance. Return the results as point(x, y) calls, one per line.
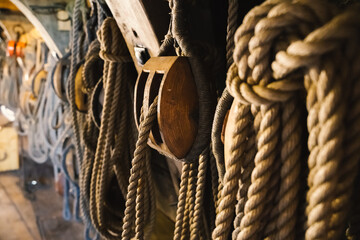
point(245, 93)
point(113, 58)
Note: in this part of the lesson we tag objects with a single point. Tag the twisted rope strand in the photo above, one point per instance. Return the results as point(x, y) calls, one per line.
point(226, 207)
point(268, 141)
point(180, 212)
point(139, 157)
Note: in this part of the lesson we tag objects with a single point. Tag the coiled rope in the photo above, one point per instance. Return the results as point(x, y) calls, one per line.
point(281, 47)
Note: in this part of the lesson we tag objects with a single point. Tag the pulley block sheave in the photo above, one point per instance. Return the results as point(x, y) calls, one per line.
point(176, 125)
point(38, 82)
point(81, 97)
point(61, 74)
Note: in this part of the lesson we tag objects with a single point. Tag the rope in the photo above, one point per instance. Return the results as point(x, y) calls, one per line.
point(110, 150)
point(190, 220)
point(281, 49)
point(199, 198)
point(230, 182)
point(232, 23)
point(136, 177)
point(77, 25)
point(90, 134)
point(245, 179)
point(189, 223)
point(222, 108)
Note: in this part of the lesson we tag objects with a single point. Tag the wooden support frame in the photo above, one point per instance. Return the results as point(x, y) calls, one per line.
point(142, 23)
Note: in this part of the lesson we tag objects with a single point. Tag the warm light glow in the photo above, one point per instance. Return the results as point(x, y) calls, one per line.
point(9, 114)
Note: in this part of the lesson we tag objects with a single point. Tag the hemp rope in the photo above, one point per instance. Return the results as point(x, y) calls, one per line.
point(109, 152)
point(189, 223)
point(84, 26)
point(309, 53)
point(245, 177)
point(77, 25)
point(226, 206)
point(196, 227)
point(138, 170)
point(90, 135)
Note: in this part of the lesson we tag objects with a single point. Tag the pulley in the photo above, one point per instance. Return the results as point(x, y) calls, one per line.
point(61, 74)
point(176, 125)
point(81, 97)
point(37, 82)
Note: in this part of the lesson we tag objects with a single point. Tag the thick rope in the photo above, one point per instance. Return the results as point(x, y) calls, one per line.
point(280, 47)
point(136, 176)
point(256, 83)
point(196, 228)
point(245, 179)
point(230, 182)
point(180, 212)
point(110, 151)
point(77, 25)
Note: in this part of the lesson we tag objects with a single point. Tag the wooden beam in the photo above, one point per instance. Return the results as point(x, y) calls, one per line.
point(142, 23)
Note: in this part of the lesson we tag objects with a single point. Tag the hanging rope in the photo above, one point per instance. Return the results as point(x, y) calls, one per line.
point(281, 47)
point(76, 51)
point(135, 201)
point(108, 150)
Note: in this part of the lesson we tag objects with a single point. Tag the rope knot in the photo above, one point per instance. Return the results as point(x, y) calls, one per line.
point(250, 92)
point(113, 58)
point(280, 40)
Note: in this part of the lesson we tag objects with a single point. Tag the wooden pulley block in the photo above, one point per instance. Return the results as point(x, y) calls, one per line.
point(81, 97)
point(38, 81)
point(176, 125)
point(61, 74)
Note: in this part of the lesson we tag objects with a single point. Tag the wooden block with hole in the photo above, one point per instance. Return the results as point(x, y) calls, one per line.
point(9, 149)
